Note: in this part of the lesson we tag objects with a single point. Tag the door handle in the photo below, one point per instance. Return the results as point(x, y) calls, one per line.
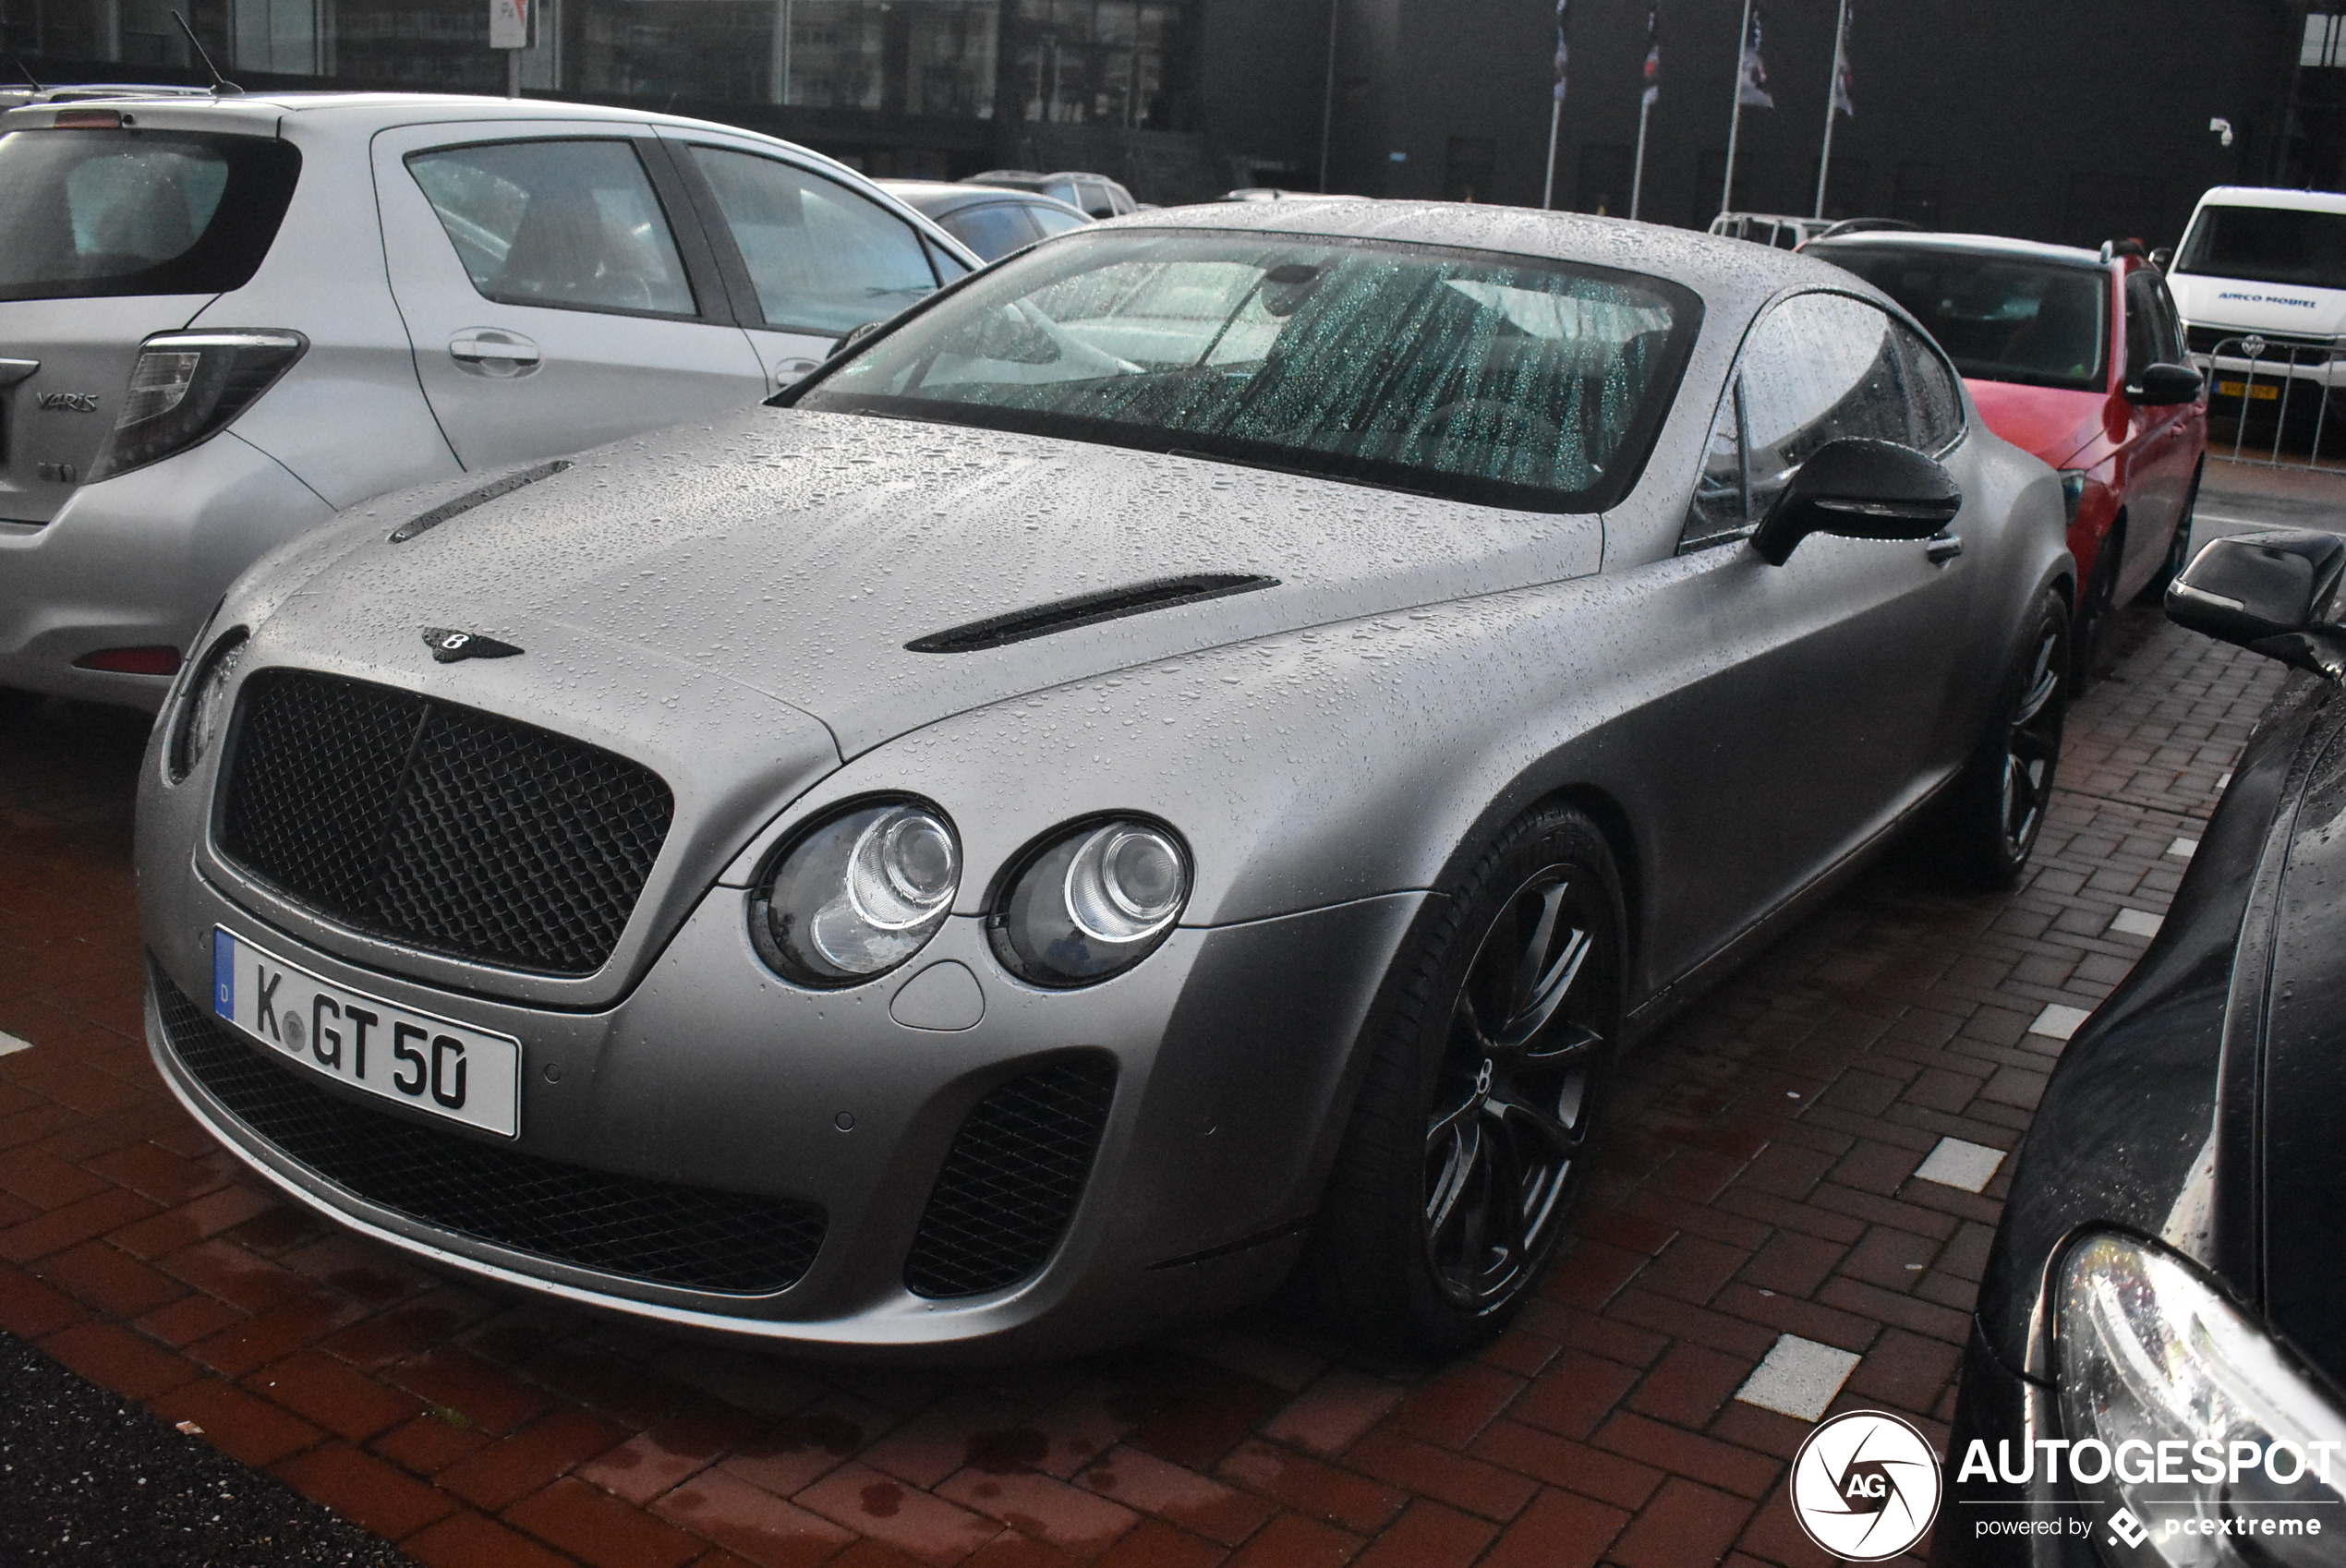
point(1940, 549)
point(489, 351)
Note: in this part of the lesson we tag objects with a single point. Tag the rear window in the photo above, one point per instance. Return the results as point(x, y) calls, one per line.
point(112, 213)
point(1999, 318)
point(2268, 244)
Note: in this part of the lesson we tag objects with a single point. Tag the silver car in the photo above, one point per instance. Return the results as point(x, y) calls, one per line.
point(1189, 754)
point(223, 320)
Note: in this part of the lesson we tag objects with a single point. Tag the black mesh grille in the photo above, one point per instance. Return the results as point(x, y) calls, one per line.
point(1010, 1182)
point(2207, 340)
point(440, 826)
point(686, 1236)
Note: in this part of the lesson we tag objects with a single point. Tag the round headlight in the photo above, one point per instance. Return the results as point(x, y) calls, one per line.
point(204, 712)
point(858, 894)
point(1092, 902)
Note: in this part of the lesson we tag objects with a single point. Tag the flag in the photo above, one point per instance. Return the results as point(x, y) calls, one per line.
point(1561, 52)
point(1753, 89)
point(1841, 104)
point(1654, 58)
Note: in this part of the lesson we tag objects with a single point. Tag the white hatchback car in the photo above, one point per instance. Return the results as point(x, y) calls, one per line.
point(223, 320)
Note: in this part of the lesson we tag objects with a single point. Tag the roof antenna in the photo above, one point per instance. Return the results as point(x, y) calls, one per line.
point(221, 86)
point(25, 71)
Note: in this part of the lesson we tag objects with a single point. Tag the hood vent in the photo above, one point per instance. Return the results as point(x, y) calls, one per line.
point(1085, 610)
point(480, 496)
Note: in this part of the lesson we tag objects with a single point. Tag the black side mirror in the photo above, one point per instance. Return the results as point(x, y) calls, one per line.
point(2163, 258)
point(2271, 593)
point(2162, 385)
point(1859, 488)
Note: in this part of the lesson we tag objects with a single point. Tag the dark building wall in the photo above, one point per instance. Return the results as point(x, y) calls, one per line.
point(2063, 122)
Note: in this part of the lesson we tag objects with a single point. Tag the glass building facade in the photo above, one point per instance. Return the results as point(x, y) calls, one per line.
point(1119, 63)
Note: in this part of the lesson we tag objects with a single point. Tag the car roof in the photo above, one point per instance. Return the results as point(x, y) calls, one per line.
point(2261, 196)
point(1985, 245)
point(941, 195)
point(1724, 271)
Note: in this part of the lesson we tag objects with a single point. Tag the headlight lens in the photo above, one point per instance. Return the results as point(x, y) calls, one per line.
point(204, 711)
point(1092, 902)
point(2150, 1355)
point(858, 894)
point(187, 386)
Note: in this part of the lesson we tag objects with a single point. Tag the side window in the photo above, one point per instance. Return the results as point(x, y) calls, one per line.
point(1722, 499)
point(1934, 403)
point(2169, 323)
point(572, 224)
point(1051, 221)
point(821, 257)
point(993, 230)
point(2142, 325)
point(1818, 368)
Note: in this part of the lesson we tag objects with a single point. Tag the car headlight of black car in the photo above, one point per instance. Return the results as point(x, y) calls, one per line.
point(857, 894)
point(1091, 903)
point(2207, 1433)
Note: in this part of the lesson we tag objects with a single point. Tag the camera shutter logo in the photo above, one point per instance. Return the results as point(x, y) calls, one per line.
point(1865, 1486)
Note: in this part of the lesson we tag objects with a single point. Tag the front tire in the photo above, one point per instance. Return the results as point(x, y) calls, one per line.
point(1996, 807)
point(1490, 1064)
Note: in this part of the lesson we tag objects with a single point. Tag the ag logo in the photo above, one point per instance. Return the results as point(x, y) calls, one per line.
point(1865, 1486)
point(448, 645)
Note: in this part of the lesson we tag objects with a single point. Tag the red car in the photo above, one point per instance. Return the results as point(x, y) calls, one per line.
point(2079, 358)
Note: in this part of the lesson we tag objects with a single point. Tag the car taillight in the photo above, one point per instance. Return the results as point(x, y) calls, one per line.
point(187, 386)
point(88, 119)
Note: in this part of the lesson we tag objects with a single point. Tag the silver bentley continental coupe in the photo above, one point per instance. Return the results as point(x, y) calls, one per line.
point(1178, 762)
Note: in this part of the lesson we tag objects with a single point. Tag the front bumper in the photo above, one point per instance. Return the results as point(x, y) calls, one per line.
point(1231, 1048)
point(138, 561)
point(1997, 1524)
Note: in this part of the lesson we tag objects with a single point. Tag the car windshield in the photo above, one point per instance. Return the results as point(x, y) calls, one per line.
point(2268, 244)
point(89, 213)
point(1999, 318)
point(1501, 379)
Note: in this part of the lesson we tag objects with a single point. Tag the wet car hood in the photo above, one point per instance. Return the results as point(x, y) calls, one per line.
point(2053, 424)
point(797, 553)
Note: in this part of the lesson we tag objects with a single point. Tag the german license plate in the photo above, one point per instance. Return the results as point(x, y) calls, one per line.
point(2263, 392)
point(434, 1063)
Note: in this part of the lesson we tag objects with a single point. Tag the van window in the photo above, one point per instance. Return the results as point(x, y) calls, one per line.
point(2268, 244)
point(114, 213)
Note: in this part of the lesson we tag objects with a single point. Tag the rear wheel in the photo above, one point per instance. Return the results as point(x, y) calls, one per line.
point(2095, 607)
point(1490, 1065)
point(1996, 808)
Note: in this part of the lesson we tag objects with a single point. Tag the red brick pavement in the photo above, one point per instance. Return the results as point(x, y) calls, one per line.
point(1759, 1180)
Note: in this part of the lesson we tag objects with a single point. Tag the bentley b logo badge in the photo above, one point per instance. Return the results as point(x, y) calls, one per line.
point(449, 646)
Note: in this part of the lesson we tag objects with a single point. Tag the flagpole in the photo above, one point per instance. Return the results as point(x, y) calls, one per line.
point(1638, 176)
point(1327, 102)
point(1832, 103)
point(1548, 186)
point(1735, 125)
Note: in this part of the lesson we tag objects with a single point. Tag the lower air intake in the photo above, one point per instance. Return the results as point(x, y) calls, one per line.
point(690, 1238)
point(1011, 1180)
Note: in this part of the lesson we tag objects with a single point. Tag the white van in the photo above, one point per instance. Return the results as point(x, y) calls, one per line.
point(2260, 280)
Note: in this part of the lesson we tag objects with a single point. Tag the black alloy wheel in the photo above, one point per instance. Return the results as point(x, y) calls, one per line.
point(1992, 816)
point(1470, 1146)
point(1514, 1097)
point(2095, 608)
